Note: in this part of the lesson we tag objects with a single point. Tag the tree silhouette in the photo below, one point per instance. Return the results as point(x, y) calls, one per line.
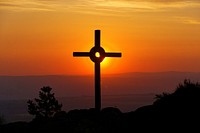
point(46, 106)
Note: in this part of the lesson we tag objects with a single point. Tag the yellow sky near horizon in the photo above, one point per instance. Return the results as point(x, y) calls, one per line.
point(38, 37)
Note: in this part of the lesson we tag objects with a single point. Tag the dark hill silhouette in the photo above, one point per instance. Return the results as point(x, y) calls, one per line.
point(178, 111)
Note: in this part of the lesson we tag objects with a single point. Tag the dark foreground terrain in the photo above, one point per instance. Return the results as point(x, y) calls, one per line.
point(171, 112)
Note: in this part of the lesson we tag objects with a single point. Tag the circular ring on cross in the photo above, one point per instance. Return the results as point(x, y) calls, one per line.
point(97, 54)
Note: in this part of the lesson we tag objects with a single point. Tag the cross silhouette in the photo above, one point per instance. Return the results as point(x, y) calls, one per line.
point(97, 55)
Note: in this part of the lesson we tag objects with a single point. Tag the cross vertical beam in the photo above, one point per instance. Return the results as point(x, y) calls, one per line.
point(97, 71)
point(97, 38)
point(97, 79)
point(97, 61)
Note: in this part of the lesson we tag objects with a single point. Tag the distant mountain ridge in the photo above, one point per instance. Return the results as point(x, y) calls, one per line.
point(23, 87)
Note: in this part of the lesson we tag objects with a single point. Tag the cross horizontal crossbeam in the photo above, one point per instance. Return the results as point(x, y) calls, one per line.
point(87, 54)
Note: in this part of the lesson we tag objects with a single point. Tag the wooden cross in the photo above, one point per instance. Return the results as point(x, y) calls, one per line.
point(97, 55)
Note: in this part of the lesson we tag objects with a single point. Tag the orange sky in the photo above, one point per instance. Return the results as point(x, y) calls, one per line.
point(39, 36)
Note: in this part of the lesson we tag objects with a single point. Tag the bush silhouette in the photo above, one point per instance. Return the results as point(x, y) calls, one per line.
point(46, 106)
point(185, 96)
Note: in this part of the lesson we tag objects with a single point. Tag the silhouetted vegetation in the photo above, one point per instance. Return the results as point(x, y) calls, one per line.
point(171, 112)
point(185, 97)
point(46, 106)
point(179, 110)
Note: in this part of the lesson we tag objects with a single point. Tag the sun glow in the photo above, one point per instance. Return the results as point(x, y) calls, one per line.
point(105, 62)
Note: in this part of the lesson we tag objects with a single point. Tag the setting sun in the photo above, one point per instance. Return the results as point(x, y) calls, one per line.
point(97, 54)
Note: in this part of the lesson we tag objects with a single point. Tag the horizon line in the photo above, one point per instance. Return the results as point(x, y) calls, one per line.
point(106, 74)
